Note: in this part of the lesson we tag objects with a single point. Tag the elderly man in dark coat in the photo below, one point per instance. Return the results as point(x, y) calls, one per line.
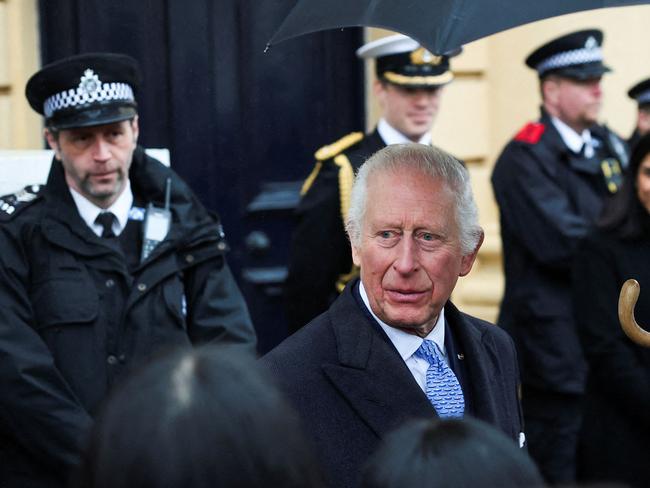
point(392, 347)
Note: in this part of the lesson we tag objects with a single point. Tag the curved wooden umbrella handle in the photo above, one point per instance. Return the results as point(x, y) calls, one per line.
point(626, 303)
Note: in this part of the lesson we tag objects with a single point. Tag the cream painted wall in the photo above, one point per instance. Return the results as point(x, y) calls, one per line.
point(20, 126)
point(494, 94)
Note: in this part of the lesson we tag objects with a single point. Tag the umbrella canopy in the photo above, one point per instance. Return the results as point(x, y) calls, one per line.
point(439, 25)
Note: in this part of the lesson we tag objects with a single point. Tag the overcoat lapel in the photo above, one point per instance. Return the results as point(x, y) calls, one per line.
point(481, 362)
point(370, 374)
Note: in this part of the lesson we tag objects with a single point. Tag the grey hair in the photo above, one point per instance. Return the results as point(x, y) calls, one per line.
point(432, 161)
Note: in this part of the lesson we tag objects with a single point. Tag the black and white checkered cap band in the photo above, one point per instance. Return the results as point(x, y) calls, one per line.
point(78, 96)
point(570, 58)
point(643, 97)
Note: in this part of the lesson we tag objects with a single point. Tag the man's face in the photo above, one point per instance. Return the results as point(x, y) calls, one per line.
point(410, 254)
point(576, 102)
point(643, 122)
point(409, 110)
point(643, 183)
point(96, 160)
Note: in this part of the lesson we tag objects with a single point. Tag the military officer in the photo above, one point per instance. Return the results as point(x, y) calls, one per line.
point(640, 93)
point(408, 86)
point(113, 259)
point(550, 182)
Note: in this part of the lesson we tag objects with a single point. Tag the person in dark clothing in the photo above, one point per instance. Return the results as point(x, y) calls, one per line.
point(615, 434)
point(392, 347)
point(82, 300)
point(204, 418)
point(640, 93)
point(550, 183)
point(408, 87)
point(458, 453)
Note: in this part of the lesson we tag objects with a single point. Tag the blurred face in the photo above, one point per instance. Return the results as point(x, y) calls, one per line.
point(96, 160)
point(643, 122)
point(410, 254)
point(409, 110)
point(575, 102)
point(643, 183)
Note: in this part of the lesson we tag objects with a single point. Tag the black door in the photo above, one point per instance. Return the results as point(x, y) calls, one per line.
point(241, 124)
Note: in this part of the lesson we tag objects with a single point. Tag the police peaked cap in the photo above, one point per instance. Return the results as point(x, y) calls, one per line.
point(85, 90)
point(402, 61)
point(577, 55)
point(641, 93)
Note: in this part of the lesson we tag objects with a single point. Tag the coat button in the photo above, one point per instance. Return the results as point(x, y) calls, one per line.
point(221, 246)
point(110, 283)
point(142, 287)
point(189, 258)
point(112, 360)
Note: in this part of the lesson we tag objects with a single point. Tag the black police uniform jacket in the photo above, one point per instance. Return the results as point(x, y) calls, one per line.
point(73, 319)
point(548, 198)
point(351, 387)
point(320, 249)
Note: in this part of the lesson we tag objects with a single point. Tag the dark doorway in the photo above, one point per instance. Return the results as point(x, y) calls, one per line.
point(241, 124)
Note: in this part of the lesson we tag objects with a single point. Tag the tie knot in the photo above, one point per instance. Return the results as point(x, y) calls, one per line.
point(429, 351)
point(106, 219)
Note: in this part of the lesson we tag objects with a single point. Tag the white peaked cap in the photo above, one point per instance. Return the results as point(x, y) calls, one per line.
point(395, 44)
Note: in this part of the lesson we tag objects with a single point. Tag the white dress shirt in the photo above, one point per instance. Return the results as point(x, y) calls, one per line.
point(406, 344)
point(120, 208)
point(390, 135)
point(573, 140)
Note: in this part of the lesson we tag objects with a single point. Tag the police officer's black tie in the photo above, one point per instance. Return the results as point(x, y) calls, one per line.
point(106, 219)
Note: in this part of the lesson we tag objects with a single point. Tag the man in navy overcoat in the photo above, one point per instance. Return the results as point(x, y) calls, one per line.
point(358, 370)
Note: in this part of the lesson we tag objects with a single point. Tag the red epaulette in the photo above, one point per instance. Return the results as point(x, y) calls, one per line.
point(531, 133)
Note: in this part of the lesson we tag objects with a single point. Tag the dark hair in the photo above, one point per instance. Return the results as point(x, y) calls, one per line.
point(444, 453)
point(201, 418)
point(624, 214)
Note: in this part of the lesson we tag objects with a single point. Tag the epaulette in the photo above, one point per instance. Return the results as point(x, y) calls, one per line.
point(531, 133)
point(12, 204)
point(331, 150)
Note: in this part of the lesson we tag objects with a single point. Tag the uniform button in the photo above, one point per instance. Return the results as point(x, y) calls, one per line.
point(142, 287)
point(189, 258)
point(221, 246)
point(110, 283)
point(112, 360)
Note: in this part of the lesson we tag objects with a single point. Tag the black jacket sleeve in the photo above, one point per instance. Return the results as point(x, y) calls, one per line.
point(38, 409)
point(320, 250)
point(536, 205)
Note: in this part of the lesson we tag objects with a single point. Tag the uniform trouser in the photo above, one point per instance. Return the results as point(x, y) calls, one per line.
point(552, 424)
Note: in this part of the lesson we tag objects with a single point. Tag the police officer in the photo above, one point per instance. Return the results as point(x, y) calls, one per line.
point(113, 259)
point(408, 86)
point(640, 93)
point(550, 183)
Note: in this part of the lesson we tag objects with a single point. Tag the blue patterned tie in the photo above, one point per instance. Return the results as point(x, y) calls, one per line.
point(443, 389)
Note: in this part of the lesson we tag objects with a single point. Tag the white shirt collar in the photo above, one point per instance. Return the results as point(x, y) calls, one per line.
point(390, 135)
point(405, 343)
point(571, 138)
point(120, 208)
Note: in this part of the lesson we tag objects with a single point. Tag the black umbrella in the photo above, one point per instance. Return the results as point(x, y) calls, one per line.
point(440, 25)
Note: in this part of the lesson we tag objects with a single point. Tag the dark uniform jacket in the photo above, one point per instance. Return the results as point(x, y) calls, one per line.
point(74, 319)
point(548, 198)
point(320, 250)
point(351, 387)
point(615, 436)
